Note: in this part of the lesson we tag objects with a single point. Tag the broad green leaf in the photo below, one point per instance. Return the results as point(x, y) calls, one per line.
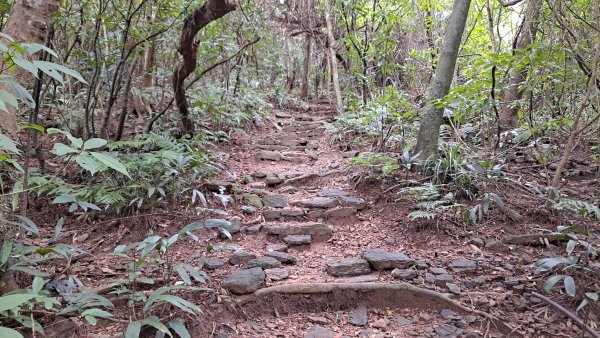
point(37, 285)
point(155, 323)
point(571, 246)
point(33, 48)
point(179, 327)
point(96, 313)
point(94, 143)
point(570, 286)
point(90, 319)
point(5, 332)
point(67, 198)
point(111, 162)
point(550, 282)
point(87, 162)
point(592, 295)
point(21, 93)
point(63, 149)
point(183, 274)
point(133, 329)
point(60, 68)
point(6, 250)
point(49, 69)
point(8, 144)
point(10, 302)
point(26, 65)
point(58, 228)
point(29, 225)
point(8, 98)
point(35, 126)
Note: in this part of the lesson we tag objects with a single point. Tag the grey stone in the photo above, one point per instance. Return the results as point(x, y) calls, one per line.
point(430, 278)
point(421, 264)
point(241, 257)
point(292, 212)
point(297, 239)
point(318, 230)
point(268, 155)
point(218, 186)
point(348, 267)
point(477, 241)
point(271, 215)
point(254, 228)
point(277, 247)
point(263, 263)
point(277, 274)
point(348, 201)
point(359, 316)
point(283, 257)
point(332, 193)
point(448, 331)
point(317, 202)
point(230, 227)
point(390, 241)
point(403, 321)
point(320, 332)
point(497, 246)
point(438, 271)
point(318, 320)
point(455, 289)
point(441, 280)
point(214, 263)
point(404, 274)
point(273, 180)
point(463, 265)
point(244, 281)
point(259, 174)
point(382, 260)
point(248, 209)
point(381, 324)
point(253, 200)
point(275, 201)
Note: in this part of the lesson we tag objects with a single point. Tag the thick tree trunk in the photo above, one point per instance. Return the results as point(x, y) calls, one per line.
point(211, 10)
point(431, 119)
point(306, 69)
point(29, 21)
point(513, 94)
point(339, 103)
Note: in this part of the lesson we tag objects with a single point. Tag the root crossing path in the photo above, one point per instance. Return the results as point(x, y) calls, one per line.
point(313, 257)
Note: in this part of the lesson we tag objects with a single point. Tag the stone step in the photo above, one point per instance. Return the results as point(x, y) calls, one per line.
point(285, 148)
point(330, 202)
point(284, 214)
point(289, 156)
point(283, 140)
point(317, 231)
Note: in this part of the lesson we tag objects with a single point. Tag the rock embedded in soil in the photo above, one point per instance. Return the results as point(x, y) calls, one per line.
point(497, 246)
point(245, 281)
point(455, 289)
point(275, 201)
point(317, 203)
point(254, 228)
point(382, 260)
point(462, 265)
point(359, 316)
point(241, 257)
point(315, 229)
point(253, 200)
point(318, 320)
point(340, 212)
point(403, 321)
point(297, 239)
point(332, 193)
point(381, 324)
point(348, 267)
point(248, 209)
point(277, 274)
point(268, 155)
point(320, 332)
point(218, 186)
point(283, 257)
point(214, 263)
point(348, 201)
point(273, 180)
point(404, 274)
point(263, 263)
point(438, 271)
point(448, 331)
point(442, 280)
point(277, 247)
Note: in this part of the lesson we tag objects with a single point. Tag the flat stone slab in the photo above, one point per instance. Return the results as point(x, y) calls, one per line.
point(214, 263)
point(283, 257)
point(332, 193)
point(273, 180)
point(317, 230)
point(267, 155)
point(348, 201)
point(241, 257)
point(383, 260)
point(277, 247)
point(277, 274)
point(462, 265)
point(274, 214)
point(348, 267)
point(359, 316)
point(404, 274)
point(245, 281)
point(320, 332)
point(340, 212)
point(317, 203)
point(275, 201)
point(297, 239)
point(263, 263)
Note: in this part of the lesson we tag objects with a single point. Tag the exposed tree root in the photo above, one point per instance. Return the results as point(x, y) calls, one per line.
point(313, 175)
point(569, 314)
point(331, 296)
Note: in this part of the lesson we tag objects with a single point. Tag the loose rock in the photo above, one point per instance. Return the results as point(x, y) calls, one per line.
point(317, 202)
point(382, 260)
point(404, 274)
point(348, 267)
point(283, 257)
point(214, 263)
point(297, 239)
point(463, 265)
point(320, 332)
point(264, 263)
point(359, 316)
point(241, 257)
point(277, 247)
point(277, 274)
point(268, 155)
point(245, 281)
point(275, 201)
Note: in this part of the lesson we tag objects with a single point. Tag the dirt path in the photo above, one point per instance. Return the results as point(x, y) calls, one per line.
point(304, 223)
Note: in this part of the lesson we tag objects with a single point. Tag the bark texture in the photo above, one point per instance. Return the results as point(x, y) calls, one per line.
point(339, 103)
point(306, 67)
point(29, 21)
point(431, 120)
point(513, 94)
point(210, 11)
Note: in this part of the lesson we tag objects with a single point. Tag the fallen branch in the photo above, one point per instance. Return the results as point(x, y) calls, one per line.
point(399, 294)
point(569, 314)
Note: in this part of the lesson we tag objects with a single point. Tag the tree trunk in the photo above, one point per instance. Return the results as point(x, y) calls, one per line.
point(528, 29)
point(431, 119)
point(306, 70)
point(339, 103)
point(29, 21)
point(211, 10)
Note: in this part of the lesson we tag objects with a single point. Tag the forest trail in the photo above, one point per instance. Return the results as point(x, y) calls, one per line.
point(305, 223)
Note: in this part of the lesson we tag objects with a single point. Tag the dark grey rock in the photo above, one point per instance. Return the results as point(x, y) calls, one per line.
point(359, 316)
point(382, 260)
point(241, 257)
point(254, 228)
point(259, 174)
point(332, 193)
point(277, 247)
point(390, 241)
point(430, 278)
point(318, 230)
point(320, 332)
point(438, 271)
point(348, 267)
point(297, 239)
point(403, 321)
point(318, 320)
point(348, 201)
point(263, 263)
point(462, 265)
point(441, 280)
point(268, 155)
point(340, 212)
point(455, 289)
point(421, 264)
point(404, 274)
point(214, 263)
point(283, 257)
point(275, 201)
point(245, 281)
point(447, 314)
point(219, 186)
point(248, 209)
point(477, 241)
point(448, 331)
point(273, 180)
point(317, 202)
point(277, 274)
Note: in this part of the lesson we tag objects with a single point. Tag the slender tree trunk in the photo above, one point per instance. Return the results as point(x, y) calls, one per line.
point(339, 103)
point(29, 21)
point(305, 92)
point(211, 10)
point(431, 119)
point(528, 30)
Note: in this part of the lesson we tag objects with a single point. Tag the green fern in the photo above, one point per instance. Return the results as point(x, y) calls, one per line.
point(579, 207)
point(422, 214)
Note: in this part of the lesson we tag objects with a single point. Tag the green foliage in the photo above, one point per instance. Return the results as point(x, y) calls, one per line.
point(378, 163)
point(431, 201)
point(578, 207)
